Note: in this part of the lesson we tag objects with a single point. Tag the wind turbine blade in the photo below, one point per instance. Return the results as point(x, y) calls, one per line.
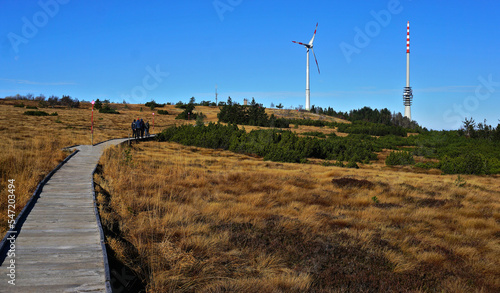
point(299, 43)
point(316, 60)
point(314, 35)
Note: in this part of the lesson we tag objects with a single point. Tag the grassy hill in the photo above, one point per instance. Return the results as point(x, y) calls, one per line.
point(194, 219)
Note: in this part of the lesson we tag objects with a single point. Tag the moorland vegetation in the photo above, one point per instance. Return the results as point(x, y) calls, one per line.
point(189, 219)
point(217, 207)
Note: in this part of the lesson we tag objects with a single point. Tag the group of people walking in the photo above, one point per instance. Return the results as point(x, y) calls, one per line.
point(139, 128)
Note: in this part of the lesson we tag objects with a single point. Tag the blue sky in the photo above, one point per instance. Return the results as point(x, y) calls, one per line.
point(173, 50)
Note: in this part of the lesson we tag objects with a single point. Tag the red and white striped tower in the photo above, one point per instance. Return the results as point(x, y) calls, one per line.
point(407, 95)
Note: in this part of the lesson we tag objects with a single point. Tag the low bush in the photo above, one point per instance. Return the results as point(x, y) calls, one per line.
point(425, 152)
point(188, 113)
point(163, 112)
point(469, 163)
point(376, 129)
point(152, 105)
point(352, 164)
point(427, 165)
point(19, 105)
point(399, 158)
point(181, 105)
point(283, 154)
point(106, 109)
point(36, 113)
point(31, 107)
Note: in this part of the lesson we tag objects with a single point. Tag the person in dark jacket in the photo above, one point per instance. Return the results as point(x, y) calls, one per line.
point(143, 127)
point(137, 128)
point(147, 128)
point(133, 129)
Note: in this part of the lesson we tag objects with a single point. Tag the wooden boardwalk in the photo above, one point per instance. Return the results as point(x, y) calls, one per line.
point(59, 246)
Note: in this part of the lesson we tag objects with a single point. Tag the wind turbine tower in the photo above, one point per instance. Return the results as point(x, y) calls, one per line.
point(407, 94)
point(216, 96)
point(309, 46)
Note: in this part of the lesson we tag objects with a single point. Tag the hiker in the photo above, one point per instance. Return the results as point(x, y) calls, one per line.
point(143, 126)
point(147, 128)
point(133, 129)
point(137, 128)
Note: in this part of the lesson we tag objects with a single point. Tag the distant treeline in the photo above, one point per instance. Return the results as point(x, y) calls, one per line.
point(51, 101)
point(480, 130)
point(192, 101)
point(253, 114)
point(367, 114)
point(365, 120)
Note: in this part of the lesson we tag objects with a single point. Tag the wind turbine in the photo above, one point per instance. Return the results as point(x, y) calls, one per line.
point(309, 46)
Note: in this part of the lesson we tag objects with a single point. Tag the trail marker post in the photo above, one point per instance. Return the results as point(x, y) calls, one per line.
point(92, 124)
point(153, 123)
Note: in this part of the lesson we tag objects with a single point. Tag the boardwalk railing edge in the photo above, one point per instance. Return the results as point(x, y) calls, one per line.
point(4, 245)
point(107, 273)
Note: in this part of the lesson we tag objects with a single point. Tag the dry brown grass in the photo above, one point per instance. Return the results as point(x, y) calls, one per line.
point(32, 146)
point(191, 219)
point(294, 114)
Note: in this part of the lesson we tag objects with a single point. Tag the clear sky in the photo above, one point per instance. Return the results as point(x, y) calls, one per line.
point(172, 50)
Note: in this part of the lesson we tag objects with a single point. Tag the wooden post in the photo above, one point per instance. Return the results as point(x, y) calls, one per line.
point(92, 125)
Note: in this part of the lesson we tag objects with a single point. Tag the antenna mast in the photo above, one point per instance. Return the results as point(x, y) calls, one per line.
point(407, 94)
